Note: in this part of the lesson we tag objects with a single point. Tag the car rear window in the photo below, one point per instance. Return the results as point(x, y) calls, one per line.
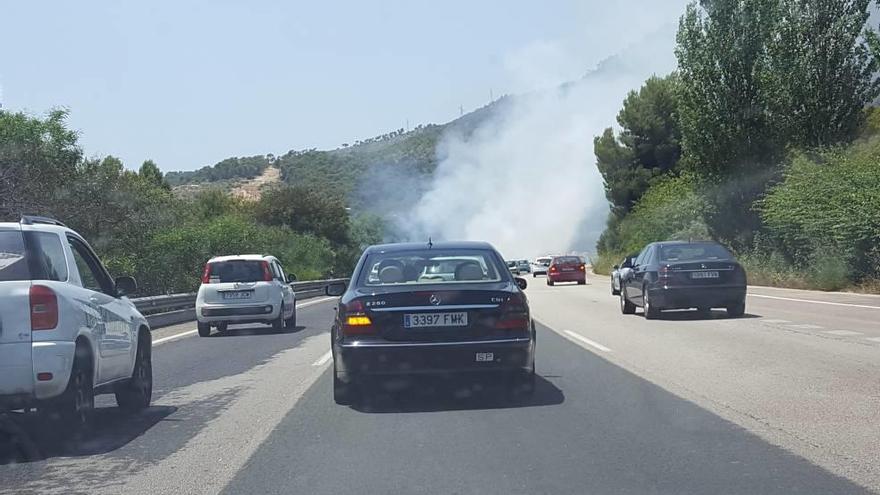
point(13, 263)
point(431, 267)
point(568, 260)
point(47, 260)
point(692, 252)
point(236, 271)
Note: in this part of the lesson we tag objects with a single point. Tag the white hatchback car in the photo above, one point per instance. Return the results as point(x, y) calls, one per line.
point(67, 330)
point(248, 288)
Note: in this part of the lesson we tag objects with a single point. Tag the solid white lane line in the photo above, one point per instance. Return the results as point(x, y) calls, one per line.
point(187, 333)
point(323, 359)
point(173, 337)
point(587, 341)
point(842, 333)
point(775, 321)
point(807, 326)
point(811, 301)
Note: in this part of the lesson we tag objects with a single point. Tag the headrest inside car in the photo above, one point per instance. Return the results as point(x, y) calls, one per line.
point(391, 275)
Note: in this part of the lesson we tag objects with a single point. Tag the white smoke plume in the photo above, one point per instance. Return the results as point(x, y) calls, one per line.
point(526, 179)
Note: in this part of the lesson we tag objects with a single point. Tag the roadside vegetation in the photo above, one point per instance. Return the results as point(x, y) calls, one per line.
point(140, 227)
point(771, 149)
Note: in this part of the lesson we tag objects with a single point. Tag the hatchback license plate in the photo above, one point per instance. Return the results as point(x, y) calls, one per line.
point(246, 294)
point(704, 275)
point(423, 320)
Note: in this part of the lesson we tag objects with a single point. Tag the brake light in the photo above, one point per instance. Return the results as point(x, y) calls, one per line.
point(355, 319)
point(206, 274)
point(267, 272)
point(553, 268)
point(44, 308)
point(664, 272)
point(514, 314)
point(582, 268)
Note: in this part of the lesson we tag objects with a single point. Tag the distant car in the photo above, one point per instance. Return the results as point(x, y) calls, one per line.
point(682, 275)
point(393, 325)
point(67, 330)
point(524, 266)
point(513, 267)
point(620, 271)
point(567, 269)
point(541, 265)
point(247, 288)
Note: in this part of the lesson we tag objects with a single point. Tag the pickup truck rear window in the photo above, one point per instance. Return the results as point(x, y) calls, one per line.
point(13, 262)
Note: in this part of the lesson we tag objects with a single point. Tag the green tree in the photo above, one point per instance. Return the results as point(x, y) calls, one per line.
point(305, 210)
point(150, 172)
point(648, 144)
point(821, 70)
point(37, 156)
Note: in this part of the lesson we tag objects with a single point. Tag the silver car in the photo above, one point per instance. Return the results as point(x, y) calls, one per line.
point(249, 288)
point(541, 265)
point(620, 271)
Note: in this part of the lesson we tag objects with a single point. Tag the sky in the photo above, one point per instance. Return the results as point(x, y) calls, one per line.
point(188, 84)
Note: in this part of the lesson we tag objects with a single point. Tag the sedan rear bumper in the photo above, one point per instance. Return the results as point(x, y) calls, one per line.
point(695, 297)
point(375, 359)
point(575, 276)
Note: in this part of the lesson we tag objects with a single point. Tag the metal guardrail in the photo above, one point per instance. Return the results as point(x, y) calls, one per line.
point(179, 308)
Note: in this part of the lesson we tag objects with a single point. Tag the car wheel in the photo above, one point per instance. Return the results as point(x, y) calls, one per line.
point(626, 307)
point(615, 292)
point(737, 310)
point(278, 324)
point(534, 275)
point(549, 282)
point(582, 282)
point(343, 393)
point(291, 322)
point(651, 311)
point(135, 393)
point(204, 329)
point(78, 400)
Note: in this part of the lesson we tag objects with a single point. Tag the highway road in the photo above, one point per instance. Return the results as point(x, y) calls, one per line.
point(784, 400)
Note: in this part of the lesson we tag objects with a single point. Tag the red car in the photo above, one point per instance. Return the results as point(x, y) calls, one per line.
point(567, 269)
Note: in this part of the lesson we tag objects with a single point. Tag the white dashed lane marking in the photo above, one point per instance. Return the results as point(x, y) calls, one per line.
point(321, 361)
point(583, 340)
point(842, 333)
point(775, 321)
point(813, 301)
point(874, 339)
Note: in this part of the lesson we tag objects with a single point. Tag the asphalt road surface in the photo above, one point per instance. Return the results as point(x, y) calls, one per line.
point(784, 400)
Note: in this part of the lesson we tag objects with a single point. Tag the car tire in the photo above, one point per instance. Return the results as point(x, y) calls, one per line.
point(582, 282)
point(290, 323)
point(278, 323)
point(523, 382)
point(615, 292)
point(549, 282)
point(204, 329)
point(626, 307)
point(534, 275)
point(651, 311)
point(77, 403)
point(135, 393)
point(343, 393)
point(736, 310)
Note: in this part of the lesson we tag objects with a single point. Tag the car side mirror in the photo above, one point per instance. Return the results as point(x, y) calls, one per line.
point(615, 267)
point(521, 283)
point(126, 286)
point(335, 289)
point(291, 277)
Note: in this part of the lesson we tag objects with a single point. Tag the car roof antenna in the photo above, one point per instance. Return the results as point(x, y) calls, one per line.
point(430, 244)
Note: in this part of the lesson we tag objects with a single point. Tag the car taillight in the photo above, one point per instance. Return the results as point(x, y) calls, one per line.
point(355, 320)
point(553, 268)
point(267, 272)
point(664, 272)
point(44, 308)
point(582, 268)
point(514, 314)
point(206, 274)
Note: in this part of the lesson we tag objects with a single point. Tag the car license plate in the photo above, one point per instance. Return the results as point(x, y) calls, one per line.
point(704, 275)
point(483, 357)
point(245, 294)
point(568, 269)
point(423, 320)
